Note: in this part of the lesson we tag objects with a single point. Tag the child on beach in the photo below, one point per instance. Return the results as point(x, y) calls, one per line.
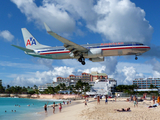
point(85, 103)
point(135, 101)
point(60, 107)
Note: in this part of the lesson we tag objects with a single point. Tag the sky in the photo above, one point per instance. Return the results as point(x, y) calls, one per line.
point(82, 22)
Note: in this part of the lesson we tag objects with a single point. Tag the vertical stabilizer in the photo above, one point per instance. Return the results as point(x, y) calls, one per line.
point(30, 41)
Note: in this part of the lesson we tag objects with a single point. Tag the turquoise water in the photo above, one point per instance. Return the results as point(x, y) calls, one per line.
point(23, 112)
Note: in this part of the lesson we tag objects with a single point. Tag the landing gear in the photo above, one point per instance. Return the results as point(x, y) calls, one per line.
point(136, 58)
point(82, 60)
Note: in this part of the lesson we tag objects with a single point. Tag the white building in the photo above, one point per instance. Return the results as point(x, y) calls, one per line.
point(103, 87)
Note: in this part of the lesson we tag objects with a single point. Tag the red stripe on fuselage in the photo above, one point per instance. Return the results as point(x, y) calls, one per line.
point(55, 52)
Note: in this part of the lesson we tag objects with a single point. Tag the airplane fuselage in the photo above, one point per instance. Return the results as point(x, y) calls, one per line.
point(94, 50)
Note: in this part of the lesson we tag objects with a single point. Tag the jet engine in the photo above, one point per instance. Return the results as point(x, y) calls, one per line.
point(95, 53)
point(98, 59)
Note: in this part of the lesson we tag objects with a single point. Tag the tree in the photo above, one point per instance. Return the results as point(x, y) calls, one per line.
point(152, 86)
point(79, 85)
point(2, 89)
point(82, 86)
point(8, 86)
point(35, 86)
point(51, 90)
point(57, 88)
point(62, 86)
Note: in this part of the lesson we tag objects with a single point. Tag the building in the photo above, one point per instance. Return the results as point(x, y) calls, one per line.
point(103, 87)
point(54, 84)
point(144, 83)
point(73, 79)
point(84, 77)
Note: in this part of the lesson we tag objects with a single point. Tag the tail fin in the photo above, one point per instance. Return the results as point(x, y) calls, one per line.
point(30, 41)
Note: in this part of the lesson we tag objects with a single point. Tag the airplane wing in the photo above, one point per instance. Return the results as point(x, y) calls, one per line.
point(22, 48)
point(73, 47)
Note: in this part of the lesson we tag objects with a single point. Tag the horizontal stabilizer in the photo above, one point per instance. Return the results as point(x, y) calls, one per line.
point(22, 48)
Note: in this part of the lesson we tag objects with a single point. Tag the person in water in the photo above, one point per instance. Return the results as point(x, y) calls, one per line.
point(53, 107)
point(45, 108)
point(60, 107)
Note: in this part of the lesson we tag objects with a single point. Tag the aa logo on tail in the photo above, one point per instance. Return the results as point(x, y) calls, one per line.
point(31, 41)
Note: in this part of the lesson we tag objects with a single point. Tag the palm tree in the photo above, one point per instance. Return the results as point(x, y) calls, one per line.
point(51, 90)
point(62, 86)
point(1, 89)
point(57, 88)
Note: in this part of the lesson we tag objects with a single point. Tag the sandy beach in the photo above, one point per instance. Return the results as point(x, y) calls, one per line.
point(78, 111)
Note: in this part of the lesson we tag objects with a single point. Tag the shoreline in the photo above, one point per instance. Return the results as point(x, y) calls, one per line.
point(75, 107)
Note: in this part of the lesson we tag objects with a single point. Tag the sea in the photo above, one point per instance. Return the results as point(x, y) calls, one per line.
point(25, 109)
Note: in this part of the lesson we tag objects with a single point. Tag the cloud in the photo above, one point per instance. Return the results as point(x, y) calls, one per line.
point(130, 74)
point(121, 20)
point(22, 65)
point(6, 35)
point(40, 78)
point(155, 63)
point(43, 61)
point(53, 14)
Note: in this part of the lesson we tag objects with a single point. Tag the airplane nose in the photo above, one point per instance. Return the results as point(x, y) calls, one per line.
point(148, 48)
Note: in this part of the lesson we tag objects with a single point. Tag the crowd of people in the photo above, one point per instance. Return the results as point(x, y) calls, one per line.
point(54, 106)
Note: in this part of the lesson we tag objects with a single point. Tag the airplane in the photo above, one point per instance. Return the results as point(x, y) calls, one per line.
point(71, 50)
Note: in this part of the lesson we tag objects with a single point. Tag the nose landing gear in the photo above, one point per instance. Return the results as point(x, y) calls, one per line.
point(136, 58)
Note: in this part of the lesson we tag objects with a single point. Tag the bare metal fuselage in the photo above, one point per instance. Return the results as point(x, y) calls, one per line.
point(94, 50)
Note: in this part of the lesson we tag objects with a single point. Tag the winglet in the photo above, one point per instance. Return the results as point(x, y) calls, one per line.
point(47, 28)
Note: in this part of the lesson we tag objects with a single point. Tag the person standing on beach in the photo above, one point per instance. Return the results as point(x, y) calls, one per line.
point(98, 100)
point(53, 107)
point(135, 101)
point(106, 101)
point(85, 103)
point(153, 98)
point(45, 108)
point(60, 107)
point(158, 100)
